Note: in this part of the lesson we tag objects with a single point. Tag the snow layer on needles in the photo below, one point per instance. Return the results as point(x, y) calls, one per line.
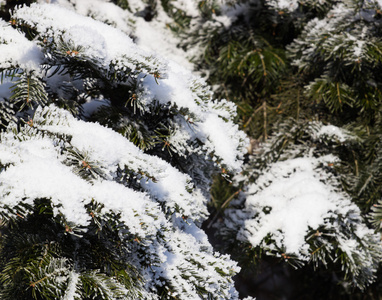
point(288, 206)
point(289, 5)
point(179, 269)
point(290, 199)
point(188, 6)
point(110, 48)
point(113, 150)
point(35, 166)
point(16, 50)
point(334, 132)
point(110, 45)
point(213, 126)
point(101, 10)
point(155, 37)
point(35, 169)
point(153, 200)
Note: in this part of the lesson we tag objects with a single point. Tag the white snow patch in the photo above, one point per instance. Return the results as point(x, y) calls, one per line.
point(291, 199)
point(71, 290)
point(334, 132)
point(289, 5)
point(17, 51)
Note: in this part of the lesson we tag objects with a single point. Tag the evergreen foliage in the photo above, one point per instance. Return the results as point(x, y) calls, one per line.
point(296, 176)
point(299, 72)
point(243, 57)
point(106, 158)
point(304, 77)
point(317, 61)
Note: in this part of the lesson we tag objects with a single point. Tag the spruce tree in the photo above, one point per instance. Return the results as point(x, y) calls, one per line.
point(106, 158)
point(304, 75)
point(308, 82)
point(305, 78)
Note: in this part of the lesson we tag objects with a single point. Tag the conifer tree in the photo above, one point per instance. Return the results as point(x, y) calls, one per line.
point(304, 75)
point(106, 158)
point(305, 78)
point(317, 61)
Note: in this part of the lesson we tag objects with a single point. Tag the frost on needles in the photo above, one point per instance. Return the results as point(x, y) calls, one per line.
point(106, 157)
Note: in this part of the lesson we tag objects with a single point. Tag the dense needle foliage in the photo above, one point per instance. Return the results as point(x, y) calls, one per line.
point(302, 218)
